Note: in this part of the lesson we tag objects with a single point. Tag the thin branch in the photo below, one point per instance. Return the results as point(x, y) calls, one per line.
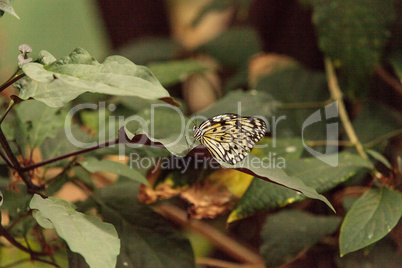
point(6, 112)
point(61, 157)
point(227, 244)
point(47, 262)
point(330, 143)
point(304, 105)
point(5, 158)
point(16, 164)
point(389, 79)
point(11, 81)
point(209, 262)
point(380, 139)
point(11, 239)
point(336, 94)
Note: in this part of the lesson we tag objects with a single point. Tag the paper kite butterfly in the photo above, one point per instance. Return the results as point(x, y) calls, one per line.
point(230, 137)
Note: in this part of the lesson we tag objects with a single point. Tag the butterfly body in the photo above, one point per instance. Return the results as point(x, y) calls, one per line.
point(230, 137)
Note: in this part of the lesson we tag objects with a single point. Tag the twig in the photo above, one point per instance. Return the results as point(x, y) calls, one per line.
point(6, 112)
point(387, 136)
point(304, 105)
point(16, 164)
point(61, 157)
point(391, 81)
point(10, 238)
point(11, 81)
point(229, 245)
point(333, 143)
point(209, 262)
point(5, 158)
point(336, 94)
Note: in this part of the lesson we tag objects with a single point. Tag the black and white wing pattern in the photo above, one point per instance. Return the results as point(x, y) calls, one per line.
point(230, 137)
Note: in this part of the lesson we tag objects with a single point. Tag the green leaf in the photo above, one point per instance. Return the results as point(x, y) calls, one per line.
point(250, 103)
point(234, 47)
point(93, 165)
point(313, 172)
point(172, 72)
point(379, 157)
point(95, 240)
point(165, 124)
point(383, 254)
point(40, 121)
point(396, 60)
point(149, 49)
point(289, 232)
point(61, 81)
point(63, 143)
point(353, 34)
point(5, 6)
point(15, 203)
point(263, 169)
point(147, 239)
point(376, 120)
point(371, 218)
point(296, 85)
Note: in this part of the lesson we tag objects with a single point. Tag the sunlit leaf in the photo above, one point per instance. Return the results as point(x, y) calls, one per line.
point(147, 239)
point(58, 82)
point(40, 121)
point(88, 235)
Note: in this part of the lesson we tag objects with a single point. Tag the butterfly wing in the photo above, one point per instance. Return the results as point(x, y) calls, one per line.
point(230, 137)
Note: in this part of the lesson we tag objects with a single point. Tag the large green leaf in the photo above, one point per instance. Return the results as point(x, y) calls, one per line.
point(172, 72)
point(297, 85)
point(95, 240)
point(371, 218)
point(234, 47)
point(263, 168)
point(149, 49)
point(289, 232)
point(353, 33)
point(250, 103)
point(63, 143)
point(313, 172)
point(165, 124)
point(56, 82)
point(39, 121)
point(93, 165)
point(147, 239)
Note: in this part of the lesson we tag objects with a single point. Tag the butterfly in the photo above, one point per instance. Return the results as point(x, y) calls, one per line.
point(230, 137)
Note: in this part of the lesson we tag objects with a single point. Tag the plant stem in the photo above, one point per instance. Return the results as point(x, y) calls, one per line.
point(336, 95)
point(5, 158)
point(389, 79)
point(15, 163)
point(7, 111)
point(333, 143)
point(304, 105)
point(61, 157)
point(226, 243)
point(10, 238)
point(387, 136)
point(11, 81)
